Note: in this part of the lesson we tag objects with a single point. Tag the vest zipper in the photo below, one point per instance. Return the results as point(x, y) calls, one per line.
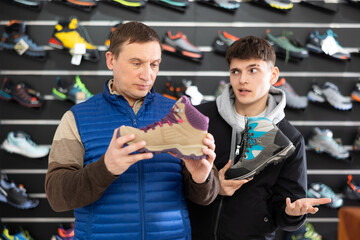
point(217, 218)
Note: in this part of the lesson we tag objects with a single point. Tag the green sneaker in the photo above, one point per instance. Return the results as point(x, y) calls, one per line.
point(286, 48)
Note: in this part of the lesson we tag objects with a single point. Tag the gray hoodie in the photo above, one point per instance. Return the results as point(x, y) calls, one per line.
point(275, 112)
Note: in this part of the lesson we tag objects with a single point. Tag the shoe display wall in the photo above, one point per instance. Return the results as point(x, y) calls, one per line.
point(210, 28)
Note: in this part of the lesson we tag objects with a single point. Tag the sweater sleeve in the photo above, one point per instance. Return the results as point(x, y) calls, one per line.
point(292, 183)
point(204, 193)
point(69, 185)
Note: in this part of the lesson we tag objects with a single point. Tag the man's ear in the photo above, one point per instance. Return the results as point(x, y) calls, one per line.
point(109, 60)
point(274, 75)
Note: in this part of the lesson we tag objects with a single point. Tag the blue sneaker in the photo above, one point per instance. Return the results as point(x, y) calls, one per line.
point(75, 92)
point(306, 232)
point(262, 143)
point(15, 195)
point(20, 142)
point(14, 38)
point(320, 190)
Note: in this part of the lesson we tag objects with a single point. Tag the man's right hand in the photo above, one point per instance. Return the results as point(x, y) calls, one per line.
point(228, 187)
point(118, 159)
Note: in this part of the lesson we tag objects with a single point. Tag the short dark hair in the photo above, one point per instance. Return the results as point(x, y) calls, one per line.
point(251, 47)
point(133, 32)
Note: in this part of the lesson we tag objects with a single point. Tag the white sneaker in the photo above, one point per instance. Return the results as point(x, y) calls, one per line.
point(19, 142)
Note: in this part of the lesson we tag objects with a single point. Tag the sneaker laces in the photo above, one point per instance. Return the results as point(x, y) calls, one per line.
point(170, 118)
point(246, 140)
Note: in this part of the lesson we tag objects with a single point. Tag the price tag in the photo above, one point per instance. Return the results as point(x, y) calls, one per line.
point(21, 47)
point(329, 46)
point(77, 52)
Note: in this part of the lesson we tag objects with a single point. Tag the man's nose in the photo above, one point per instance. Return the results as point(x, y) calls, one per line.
point(145, 73)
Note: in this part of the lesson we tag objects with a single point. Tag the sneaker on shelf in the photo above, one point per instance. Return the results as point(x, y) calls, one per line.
point(5, 91)
point(29, 4)
point(293, 100)
point(220, 88)
point(86, 5)
point(278, 5)
point(180, 132)
point(75, 91)
point(180, 46)
point(329, 93)
point(285, 47)
point(15, 194)
point(16, 39)
point(20, 143)
point(68, 33)
point(356, 144)
point(25, 95)
point(64, 234)
point(355, 94)
point(322, 140)
point(321, 190)
point(326, 45)
point(228, 5)
point(179, 5)
point(130, 4)
point(107, 41)
point(175, 89)
point(262, 143)
point(222, 42)
point(352, 189)
point(305, 232)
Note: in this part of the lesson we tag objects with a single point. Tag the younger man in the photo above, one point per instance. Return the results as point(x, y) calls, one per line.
point(275, 198)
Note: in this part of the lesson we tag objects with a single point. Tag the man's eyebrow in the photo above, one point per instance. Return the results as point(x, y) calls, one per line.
point(253, 65)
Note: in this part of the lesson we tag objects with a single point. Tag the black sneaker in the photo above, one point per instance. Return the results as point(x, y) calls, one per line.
point(352, 189)
point(86, 5)
point(277, 5)
point(26, 96)
point(262, 143)
point(222, 42)
point(15, 194)
point(29, 4)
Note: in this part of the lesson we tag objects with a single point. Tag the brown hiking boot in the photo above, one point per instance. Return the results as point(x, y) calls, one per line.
point(180, 132)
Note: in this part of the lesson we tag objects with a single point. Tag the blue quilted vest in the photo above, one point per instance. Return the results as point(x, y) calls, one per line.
point(146, 201)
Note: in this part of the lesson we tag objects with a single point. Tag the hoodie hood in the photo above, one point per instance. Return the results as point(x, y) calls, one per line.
point(275, 107)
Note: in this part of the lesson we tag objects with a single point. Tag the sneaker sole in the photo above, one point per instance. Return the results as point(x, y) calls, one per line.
point(274, 159)
point(187, 152)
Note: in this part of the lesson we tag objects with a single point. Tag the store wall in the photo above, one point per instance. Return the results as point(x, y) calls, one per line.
point(200, 23)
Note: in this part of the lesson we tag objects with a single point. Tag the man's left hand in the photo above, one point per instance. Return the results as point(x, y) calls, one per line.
point(304, 206)
point(200, 169)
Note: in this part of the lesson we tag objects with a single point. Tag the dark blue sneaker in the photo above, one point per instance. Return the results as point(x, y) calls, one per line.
point(15, 195)
point(327, 45)
point(14, 38)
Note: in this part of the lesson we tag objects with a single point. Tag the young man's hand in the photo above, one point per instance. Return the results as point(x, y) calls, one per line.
point(304, 206)
point(228, 187)
point(200, 169)
point(118, 159)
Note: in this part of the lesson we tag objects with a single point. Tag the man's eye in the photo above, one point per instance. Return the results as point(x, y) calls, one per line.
point(253, 70)
point(136, 64)
point(154, 65)
point(234, 71)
